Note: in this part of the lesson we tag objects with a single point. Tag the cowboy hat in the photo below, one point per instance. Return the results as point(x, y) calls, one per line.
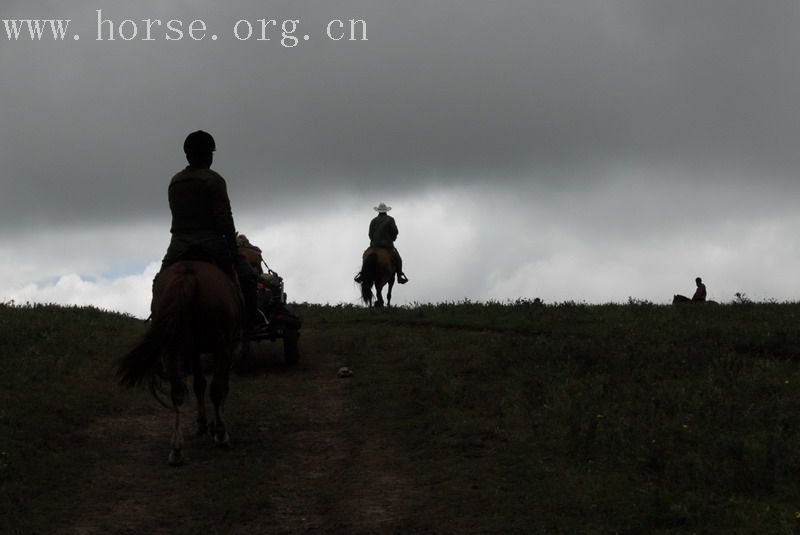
point(382, 208)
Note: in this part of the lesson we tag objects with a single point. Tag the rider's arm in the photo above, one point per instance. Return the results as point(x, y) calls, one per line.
point(372, 230)
point(221, 207)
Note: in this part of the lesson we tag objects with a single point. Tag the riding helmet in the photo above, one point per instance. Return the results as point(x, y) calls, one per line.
point(199, 142)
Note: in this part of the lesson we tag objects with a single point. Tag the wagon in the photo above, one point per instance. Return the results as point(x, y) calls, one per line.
point(279, 322)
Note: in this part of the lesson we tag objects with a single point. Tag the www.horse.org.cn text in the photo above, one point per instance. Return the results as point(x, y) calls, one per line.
point(284, 32)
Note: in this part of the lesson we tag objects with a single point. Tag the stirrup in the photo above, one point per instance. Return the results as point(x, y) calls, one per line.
point(401, 278)
point(359, 278)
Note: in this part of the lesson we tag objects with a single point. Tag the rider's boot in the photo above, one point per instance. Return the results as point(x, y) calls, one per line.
point(398, 262)
point(401, 277)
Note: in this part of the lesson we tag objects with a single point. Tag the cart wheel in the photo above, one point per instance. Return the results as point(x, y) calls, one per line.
point(291, 352)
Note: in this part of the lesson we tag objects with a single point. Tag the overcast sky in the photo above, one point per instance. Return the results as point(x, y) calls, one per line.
point(566, 149)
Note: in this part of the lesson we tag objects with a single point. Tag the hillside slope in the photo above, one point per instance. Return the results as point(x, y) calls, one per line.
point(458, 418)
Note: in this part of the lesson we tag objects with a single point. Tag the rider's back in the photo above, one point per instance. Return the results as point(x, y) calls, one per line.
point(382, 230)
point(198, 200)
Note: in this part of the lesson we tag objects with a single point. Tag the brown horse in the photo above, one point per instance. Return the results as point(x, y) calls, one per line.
point(678, 299)
point(377, 270)
point(197, 310)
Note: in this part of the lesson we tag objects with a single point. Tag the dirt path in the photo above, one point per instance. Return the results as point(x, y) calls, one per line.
point(296, 463)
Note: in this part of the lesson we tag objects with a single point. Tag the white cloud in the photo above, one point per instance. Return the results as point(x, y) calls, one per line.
point(465, 243)
point(129, 294)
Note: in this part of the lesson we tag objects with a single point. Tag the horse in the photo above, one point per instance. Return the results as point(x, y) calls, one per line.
point(197, 309)
point(378, 270)
point(678, 299)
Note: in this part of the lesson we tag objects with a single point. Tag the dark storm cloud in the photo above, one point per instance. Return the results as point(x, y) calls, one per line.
point(558, 95)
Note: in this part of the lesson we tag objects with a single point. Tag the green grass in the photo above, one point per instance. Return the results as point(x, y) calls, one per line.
point(573, 417)
point(507, 417)
point(56, 366)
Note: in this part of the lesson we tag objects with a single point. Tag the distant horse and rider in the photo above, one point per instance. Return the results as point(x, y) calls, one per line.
point(381, 262)
point(698, 297)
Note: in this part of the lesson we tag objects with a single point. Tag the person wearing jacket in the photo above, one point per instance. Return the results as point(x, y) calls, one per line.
point(202, 221)
point(382, 233)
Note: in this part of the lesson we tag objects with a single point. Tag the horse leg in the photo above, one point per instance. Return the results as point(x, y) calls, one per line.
point(199, 384)
point(178, 395)
point(218, 393)
point(379, 292)
point(389, 293)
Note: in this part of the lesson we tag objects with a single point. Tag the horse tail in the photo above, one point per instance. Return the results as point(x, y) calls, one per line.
point(369, 273)
point(169, 334)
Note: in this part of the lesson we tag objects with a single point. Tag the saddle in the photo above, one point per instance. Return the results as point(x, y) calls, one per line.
point(383, 244)
point(197, 254)
point(371, 249)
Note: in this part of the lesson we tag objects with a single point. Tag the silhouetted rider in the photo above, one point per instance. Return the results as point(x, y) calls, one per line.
point(382, 233)
point(202, 221)
point(700, 293)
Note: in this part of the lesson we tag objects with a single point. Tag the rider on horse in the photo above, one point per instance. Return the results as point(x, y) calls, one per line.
point(700, 293)
point(382, 233)
point(202, 222)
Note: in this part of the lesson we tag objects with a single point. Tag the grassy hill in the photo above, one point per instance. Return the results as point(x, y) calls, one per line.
point(517, 417)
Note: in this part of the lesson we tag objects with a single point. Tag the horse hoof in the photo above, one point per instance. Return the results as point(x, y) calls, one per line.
point(176, 458)
point(223, 441)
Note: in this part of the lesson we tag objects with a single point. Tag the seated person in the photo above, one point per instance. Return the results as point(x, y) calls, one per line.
point(383, 233)
point(250, 252)
point(202, 222)
point(700, 293)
